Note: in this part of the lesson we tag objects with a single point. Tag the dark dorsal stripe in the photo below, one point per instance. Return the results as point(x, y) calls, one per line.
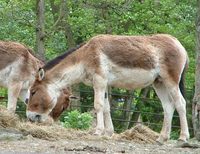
point(58, 59)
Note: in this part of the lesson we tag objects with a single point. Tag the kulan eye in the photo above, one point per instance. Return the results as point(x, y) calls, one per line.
point(32, 93)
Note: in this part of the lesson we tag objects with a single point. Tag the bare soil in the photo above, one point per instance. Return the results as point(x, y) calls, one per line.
point(90, 146)
point(18, 136)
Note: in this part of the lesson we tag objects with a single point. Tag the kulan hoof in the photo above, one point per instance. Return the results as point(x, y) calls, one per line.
point(181, 141)
point(98, 132)
point(161, 140)
point(108, 133)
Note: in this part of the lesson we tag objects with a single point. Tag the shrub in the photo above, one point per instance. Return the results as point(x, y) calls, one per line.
point(75, 119)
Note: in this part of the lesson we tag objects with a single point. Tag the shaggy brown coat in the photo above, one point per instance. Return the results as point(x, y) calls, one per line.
point(121, 61)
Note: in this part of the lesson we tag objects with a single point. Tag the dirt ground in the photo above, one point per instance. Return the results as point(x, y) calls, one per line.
point(18, 136)
point(89, 146)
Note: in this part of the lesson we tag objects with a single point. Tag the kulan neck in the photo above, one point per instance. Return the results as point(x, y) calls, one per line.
point(67, 76)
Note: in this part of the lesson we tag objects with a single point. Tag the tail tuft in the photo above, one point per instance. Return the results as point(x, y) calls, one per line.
point(182, 81)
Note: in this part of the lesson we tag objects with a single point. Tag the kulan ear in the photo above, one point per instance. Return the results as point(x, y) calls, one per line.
point(41, 74)
point(26, 101)
point(72, 97)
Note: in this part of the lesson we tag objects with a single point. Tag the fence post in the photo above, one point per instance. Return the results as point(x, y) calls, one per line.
point(136, 116)
point(127, 108)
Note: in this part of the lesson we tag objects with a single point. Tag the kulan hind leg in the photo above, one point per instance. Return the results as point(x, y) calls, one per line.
point(180, 105)
point(24, 95)
point(109, 129)
point(168, 108)
point(13, 93)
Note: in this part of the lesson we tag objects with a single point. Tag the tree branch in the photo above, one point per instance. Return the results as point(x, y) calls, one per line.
point(59, 19)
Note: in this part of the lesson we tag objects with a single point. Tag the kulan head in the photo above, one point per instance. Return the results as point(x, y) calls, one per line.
point(45, 101)
point(62, 104)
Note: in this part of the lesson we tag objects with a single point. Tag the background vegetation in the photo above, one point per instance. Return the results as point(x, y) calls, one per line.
point(68, 23)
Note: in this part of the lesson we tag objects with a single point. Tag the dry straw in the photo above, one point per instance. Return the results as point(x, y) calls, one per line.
point(139, 134)
point(54, 131)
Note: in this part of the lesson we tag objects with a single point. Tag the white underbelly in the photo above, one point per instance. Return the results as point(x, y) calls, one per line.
point(131, 78)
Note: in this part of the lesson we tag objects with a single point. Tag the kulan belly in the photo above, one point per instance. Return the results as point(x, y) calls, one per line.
point(132, 78)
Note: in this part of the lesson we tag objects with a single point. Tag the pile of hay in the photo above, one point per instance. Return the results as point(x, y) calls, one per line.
point(139, 134)
point(47, 131)
point(51, 132)
point(54, 131)
point(7, 119)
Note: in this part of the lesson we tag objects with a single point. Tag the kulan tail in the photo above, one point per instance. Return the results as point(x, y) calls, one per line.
point(182, 80)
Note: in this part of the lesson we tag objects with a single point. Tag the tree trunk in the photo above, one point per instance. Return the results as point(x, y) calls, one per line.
point(196, 100)
point(40, 33)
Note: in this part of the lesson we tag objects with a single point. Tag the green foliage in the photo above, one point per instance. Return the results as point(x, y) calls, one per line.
point(175, 134)
point(89, 18)
point(17, 20)
point(75, 119)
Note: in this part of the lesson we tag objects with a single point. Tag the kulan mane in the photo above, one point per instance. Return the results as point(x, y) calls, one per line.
point(35, 55)
point(58, 59)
